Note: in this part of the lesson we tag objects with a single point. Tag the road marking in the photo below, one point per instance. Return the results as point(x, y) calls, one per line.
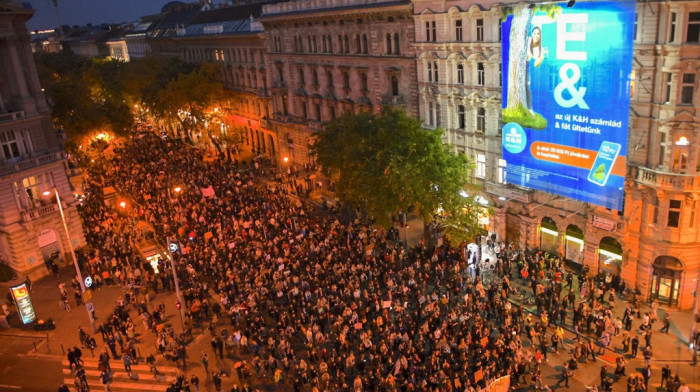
point(96, 384)
point(10, 386)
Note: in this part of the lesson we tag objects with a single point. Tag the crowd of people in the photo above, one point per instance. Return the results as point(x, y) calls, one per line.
point(316, 302)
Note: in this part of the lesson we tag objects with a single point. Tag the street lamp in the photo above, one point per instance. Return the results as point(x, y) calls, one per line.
point(173, 265)
point(88, 305)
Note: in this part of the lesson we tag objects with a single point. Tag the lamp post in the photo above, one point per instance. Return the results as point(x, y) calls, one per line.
point(88, 305)
point(173, 266)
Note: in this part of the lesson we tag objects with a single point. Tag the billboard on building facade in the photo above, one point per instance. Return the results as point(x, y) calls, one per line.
point(566, 94)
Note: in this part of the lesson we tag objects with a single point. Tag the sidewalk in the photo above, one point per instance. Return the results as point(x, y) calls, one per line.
point(671, 347)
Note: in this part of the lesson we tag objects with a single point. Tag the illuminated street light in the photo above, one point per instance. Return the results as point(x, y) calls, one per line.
point(177, 189)
point(122, 204)
point(88, 305)
point(285, 159)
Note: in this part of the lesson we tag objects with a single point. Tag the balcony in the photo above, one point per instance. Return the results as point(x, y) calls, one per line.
point(12, 116)
point(36, 213)
point(393, 100)
point(668, 181)
point(30, 163)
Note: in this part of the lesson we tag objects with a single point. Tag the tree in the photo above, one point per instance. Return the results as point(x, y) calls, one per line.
point(517, 106)
point(387, 163)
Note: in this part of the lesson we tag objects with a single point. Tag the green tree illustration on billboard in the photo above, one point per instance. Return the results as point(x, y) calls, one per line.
point(525, 51)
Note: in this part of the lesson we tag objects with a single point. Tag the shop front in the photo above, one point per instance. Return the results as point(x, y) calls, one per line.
point(666, 280)
point(549, 235)
point(574, 248)
point(609, 256)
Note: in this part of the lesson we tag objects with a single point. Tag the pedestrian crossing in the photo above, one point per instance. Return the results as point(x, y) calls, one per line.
point(141, 378)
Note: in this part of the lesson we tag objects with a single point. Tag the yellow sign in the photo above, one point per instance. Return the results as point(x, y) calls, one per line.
point(87, 295)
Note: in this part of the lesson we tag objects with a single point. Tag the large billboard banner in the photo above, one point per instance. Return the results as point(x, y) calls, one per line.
point(566, 95)
point(24, 304)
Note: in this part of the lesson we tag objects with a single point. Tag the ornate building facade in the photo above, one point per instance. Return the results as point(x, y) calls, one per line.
point(327, 57)
point(32, 163)
point(653, 242)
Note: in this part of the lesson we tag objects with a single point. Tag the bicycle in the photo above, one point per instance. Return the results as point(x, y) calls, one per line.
point(63, 304)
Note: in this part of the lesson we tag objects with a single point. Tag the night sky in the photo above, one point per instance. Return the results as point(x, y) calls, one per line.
point(81, 12)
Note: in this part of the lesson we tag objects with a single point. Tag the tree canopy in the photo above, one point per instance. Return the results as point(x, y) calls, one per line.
point(387, 163)
point(96, 94)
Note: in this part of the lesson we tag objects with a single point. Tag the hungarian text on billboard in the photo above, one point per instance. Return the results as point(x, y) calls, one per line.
point(566, 95)
point(24, 304)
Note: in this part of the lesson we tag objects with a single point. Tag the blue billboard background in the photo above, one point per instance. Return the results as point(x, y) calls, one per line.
point(574, 143)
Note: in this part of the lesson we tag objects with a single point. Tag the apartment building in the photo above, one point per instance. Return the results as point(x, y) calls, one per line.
point(652, 243)
point(32, 163)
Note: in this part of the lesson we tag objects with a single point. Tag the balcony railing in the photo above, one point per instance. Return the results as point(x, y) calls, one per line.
point(12, 116)
point(29, 163)
point(393, 100)
point(668, 180)
point(39, 212)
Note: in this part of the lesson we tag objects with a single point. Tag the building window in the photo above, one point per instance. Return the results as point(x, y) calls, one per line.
point(430, 113)
point(394, 85)
point(461, 117)
point(314, 78)
point(458, 30)
point(280, 73)
point(437, 114)
point(430, 71)
point(397, 47)
point(481, 166)
point(693, 34)
point(480, 77)
point(358, 42)
point(304, 111)
point(332, 110)
point(365, 46)
point(430, 31)
point(318, 111)
point(460, 73)
point(687, 87)
point(301, 76)
point(502, 172)
point(330, 44)
point(672, 29)
point(340, 43)
point(435, 71)
point(324, 48)
point(480, 120)
point(329, 78)
point(10, 147)
point(388, 44)
point(667, 97)
point(674, 213)
point(346, 80)
point(662, 148)
point(347, 43)
point(363, 82)
point(479, 30)
point(680, 154)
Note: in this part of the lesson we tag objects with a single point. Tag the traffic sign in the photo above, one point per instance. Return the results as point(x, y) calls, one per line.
point(88, 281)
point(173, 247)
point(90, 308)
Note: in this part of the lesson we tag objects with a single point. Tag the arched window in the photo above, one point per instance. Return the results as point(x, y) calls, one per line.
point(364, 44)
point(359, 44)
point(394, 85)
point(460, 73)
point(396, 44)
point(388, 44)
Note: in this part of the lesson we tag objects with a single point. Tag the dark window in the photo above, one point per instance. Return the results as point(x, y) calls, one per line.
point(479, 30)
point(693, 34)
point(481, 120)
point(461, 117)
point(667, 95)
point(363, 79)
point(687, 88)
point(460, 73)
point(674, 213)
point(388, 44)
point(672, 30)
point(346, 80)
point(480, 77)
point(394, 85)
point(396, 44)
point(458, 30)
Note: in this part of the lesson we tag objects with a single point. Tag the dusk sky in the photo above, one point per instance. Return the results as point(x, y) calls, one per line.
point(81, 12)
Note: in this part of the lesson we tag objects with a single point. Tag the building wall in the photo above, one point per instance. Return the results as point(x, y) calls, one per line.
point(662, 183)
point(31, 160)
point(325, 58)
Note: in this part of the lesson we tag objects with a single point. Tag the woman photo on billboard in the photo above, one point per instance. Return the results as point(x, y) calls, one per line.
point(534, 52)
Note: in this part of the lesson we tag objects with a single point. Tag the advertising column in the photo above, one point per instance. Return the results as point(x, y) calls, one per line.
point(566, 94)
point(20, 294)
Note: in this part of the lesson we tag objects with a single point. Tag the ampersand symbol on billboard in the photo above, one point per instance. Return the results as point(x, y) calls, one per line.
point(569, 83)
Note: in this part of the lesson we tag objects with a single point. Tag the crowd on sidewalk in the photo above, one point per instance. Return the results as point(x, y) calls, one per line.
point(320, 304)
